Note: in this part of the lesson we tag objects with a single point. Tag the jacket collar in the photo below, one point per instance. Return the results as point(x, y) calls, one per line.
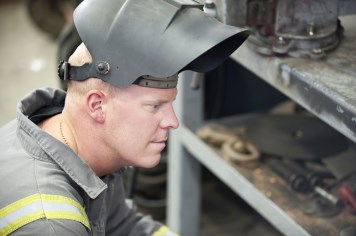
point(43, 146)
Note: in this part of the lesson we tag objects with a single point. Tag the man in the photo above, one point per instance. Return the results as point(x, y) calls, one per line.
point(62, 158)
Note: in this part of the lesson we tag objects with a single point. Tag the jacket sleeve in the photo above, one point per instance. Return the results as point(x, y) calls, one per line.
point(52, 227)
point(124, 219)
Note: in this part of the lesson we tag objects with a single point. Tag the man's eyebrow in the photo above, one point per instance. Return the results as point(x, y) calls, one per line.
point(163, 100)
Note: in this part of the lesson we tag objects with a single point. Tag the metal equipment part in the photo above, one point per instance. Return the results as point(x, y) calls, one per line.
point(215, 134)
point(305, 29)
point(299, 137)
point(348, 195)
point(297, 181)
point(321, 203)
point(331, 198)
point(240, 151)
point(348, 231)
point(342, 164)
point(320, 207)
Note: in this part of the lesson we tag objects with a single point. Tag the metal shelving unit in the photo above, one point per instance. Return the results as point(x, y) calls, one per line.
point(326, 88)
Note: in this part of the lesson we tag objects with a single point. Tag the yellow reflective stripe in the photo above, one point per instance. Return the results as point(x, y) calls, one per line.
point(164, 231)
point(39, 206)
point(16, 205)
point(11, 227)
point(62, 199)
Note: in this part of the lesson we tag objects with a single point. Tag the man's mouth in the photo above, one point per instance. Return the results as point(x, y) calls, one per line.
point(161, 140)
point(161, 143)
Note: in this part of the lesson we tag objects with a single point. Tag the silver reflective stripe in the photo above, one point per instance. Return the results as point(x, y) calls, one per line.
point(39, 206)
point(25, 210)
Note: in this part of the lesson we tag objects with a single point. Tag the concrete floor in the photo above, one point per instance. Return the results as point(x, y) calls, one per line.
point(28, 61)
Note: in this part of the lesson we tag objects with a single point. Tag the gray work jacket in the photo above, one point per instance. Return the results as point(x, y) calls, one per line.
point(46, 189)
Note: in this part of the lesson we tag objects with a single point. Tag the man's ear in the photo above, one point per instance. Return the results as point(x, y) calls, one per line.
point(95, 101)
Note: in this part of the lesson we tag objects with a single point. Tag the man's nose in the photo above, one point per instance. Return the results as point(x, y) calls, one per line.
point(170, 120)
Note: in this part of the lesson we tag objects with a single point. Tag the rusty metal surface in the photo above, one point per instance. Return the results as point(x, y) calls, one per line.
point(279, 191)
point(292, 203)
point(246, 12)
point(262, 15)
point(325, 87)
point(295, 136)
point(301, 29)
point(276, 189)
point(231, 12)
point(306, 19)
point(347, 7)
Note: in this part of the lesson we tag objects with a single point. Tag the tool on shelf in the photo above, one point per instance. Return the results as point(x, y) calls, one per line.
point(348, 196)
point(303, 180)
point(322, 203)
point(233, 146)
point(297, 181)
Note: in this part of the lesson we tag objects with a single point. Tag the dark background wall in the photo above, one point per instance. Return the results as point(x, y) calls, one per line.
point(231, 89)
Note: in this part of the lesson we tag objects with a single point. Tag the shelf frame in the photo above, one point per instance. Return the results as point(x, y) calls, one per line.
point(324, 87)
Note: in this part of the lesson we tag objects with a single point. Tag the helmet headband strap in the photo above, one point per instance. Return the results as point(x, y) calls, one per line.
point(80, 73)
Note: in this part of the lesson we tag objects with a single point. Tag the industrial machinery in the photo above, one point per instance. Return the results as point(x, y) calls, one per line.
point(294, 28)
point(307, 29)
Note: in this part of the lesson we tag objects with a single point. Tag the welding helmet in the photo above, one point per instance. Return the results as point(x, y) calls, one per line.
point(149, 41)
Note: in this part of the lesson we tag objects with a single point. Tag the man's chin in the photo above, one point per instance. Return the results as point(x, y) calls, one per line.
point(150, 161)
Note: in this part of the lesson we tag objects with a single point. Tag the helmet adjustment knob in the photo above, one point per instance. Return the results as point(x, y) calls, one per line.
point(63, 70)
point(102, 67)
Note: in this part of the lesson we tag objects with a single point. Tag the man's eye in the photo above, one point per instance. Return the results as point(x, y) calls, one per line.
point(153, 106)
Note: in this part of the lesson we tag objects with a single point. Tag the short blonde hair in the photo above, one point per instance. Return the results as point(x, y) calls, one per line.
point(77, 89)
point(80, 56)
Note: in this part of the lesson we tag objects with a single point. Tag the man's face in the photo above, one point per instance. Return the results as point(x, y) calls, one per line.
point(139, 119)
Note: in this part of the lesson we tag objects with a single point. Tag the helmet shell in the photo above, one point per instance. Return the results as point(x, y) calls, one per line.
point(157, 38)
